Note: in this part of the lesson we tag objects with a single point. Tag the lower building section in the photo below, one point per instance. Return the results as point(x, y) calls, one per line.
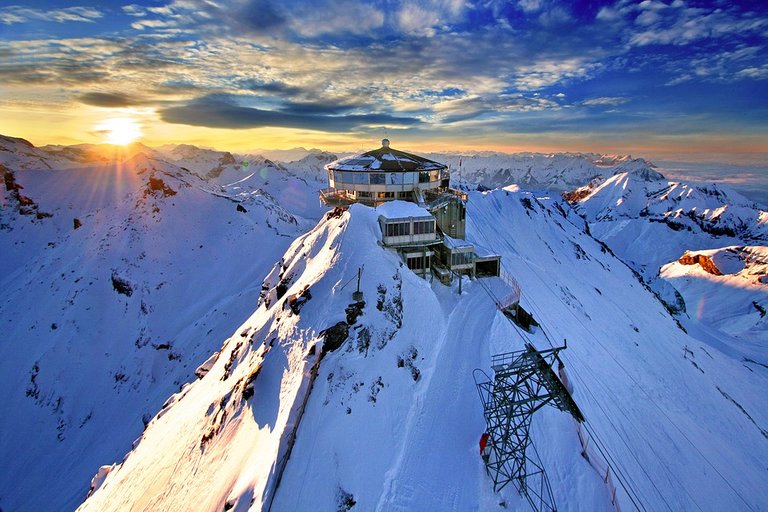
point(427, 247)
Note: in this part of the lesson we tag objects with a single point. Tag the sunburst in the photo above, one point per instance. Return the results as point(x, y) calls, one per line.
point(119, 131)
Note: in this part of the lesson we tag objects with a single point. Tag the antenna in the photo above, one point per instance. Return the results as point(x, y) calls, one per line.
point(358, 295)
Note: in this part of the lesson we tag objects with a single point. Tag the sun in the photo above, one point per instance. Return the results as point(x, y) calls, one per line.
point(119, 131)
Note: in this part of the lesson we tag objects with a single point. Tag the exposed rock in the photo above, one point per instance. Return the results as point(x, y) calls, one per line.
point(576, 195)
point(121, 285)
point(336, 212)
point(353, 311)
point(705, 262)
point(334, 336)
point(158, 185)
point(297, 301)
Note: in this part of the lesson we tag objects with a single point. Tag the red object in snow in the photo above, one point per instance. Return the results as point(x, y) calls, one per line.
point(484, 442)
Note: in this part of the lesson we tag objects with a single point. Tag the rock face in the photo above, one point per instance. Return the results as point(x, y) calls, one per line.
point(699, 259)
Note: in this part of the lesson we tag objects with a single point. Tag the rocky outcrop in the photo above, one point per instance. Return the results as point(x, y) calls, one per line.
point(23, 204)
point(705, 262)
point(574, 196)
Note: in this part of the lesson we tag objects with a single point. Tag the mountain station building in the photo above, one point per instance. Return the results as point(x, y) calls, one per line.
point(420, 216)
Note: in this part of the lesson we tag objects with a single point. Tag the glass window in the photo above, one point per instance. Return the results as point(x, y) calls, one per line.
point(395, 178)
point(416, 263)
point(377, 178)
point(424, 177)
point(361, 178)
point(461, 258)
point(434, 175)
point(409, 178)
point(398, 229)
point(422, 227)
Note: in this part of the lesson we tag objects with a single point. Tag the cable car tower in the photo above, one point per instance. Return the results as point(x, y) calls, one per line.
point(523, 382)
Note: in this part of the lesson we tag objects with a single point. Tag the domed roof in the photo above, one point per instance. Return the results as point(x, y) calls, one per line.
point(385, 159)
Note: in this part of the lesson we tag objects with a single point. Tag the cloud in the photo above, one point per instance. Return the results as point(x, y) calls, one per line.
point(134, 10)
point(497, 106)
point(337, 18)
point(681, 26)
point(605, 101)
point(529, 5)
point(235, 17)
point(109, 99)
point(426, 17)
point(149, 23)
point(224, 112)
point(18, 14)
point(550, 72)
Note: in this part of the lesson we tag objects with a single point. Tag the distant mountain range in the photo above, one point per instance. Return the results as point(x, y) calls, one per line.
point(163, 310)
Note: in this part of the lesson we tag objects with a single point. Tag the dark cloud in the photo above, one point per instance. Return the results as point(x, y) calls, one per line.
point(241, 17)
point(316, 108)
point(278, 88)
point(64, 72)
point(259, 16)
point(108, 99)
point(222, 112)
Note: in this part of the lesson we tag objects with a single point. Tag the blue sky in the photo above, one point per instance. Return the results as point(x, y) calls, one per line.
point(659, 77)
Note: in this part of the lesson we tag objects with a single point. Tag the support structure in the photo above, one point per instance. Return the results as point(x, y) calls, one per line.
point(523, 382)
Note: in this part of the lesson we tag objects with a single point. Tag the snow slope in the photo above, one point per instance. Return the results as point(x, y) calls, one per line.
point(651, 222)
point(729, 295)
point(393, 417)
point(102, 323)
point(631, 211)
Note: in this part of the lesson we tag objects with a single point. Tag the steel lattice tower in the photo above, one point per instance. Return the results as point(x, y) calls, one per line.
point(523, 382)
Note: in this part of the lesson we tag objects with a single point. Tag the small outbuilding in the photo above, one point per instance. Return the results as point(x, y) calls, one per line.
point(410, 229)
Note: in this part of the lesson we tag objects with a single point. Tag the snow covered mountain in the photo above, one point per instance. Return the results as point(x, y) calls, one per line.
point(147, 276)
point(726, 288)
point(119, 279)
point(700, 246)
point(555, 172)
point(391, 420)
point(18, 154)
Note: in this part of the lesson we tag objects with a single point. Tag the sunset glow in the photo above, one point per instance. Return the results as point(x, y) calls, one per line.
point(669, 77)
point(119, 131)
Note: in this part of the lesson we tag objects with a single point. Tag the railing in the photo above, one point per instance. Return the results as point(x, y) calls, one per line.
point(513, 297)
point(595, 459)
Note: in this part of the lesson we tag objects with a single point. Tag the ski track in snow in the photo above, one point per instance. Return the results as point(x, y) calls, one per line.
point(445, 404)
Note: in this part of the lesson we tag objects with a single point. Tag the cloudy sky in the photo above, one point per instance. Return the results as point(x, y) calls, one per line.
point(658, 77)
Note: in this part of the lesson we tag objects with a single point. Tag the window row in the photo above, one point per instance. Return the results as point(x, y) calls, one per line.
point(383, 178)
point(418, 262)
point(421, 227)
point(399, 229)
point(461, 258)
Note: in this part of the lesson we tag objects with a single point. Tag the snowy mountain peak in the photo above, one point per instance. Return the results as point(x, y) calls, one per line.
point(640, 168)
point(10, 143)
